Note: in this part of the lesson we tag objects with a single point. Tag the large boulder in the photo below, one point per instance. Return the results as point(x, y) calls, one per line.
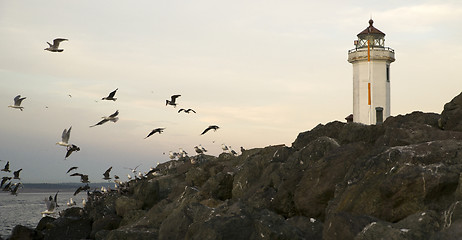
point(451, 117)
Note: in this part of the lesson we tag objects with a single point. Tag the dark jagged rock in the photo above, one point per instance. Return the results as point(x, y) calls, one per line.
point(397, 180)
point(24, 233)
point(451, 117)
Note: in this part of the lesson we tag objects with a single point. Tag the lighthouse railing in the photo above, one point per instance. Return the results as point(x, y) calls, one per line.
point(365, 49)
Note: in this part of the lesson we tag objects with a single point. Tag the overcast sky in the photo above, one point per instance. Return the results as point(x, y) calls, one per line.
point(262, 70)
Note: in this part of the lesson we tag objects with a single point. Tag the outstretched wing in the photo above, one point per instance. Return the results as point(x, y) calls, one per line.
point(100, 122)
point(18, 100)
point(57, 41)
point(152, 132)
point(106, 174)
point(206, 130)
point(66, 135)
point(114, 114)
point(174, 97)
point(70, 169)
point(111, 95)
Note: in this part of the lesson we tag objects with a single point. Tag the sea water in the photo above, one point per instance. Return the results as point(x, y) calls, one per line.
point(25, 208)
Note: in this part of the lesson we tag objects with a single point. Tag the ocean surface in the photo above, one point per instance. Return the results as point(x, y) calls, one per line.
point(25, 208)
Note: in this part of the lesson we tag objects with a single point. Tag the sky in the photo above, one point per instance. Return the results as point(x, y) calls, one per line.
point(262, 70)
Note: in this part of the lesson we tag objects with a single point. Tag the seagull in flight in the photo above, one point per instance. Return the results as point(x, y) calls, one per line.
point(14, 191)
point(186, 110)
point(113, 118)
point(71, 148)
point(106, 174)
point(111, 96)
point(17, 102)
point(157, 130)
point(54, 47)
point(16, 174)
point(7, 167)
point(214, 127)
point(83, 177)
point(172, 100)
point(65, 137)
point(51, 204)
point(4, 179)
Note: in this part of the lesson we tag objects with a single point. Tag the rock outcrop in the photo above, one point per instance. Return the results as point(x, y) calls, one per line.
point(397, 180)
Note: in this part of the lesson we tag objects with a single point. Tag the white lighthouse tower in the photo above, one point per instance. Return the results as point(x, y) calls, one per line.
point(371, 76)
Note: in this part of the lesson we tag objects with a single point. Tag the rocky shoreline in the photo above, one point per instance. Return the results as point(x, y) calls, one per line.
point(397, 180)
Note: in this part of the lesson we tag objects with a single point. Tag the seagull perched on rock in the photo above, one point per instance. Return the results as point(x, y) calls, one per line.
point(17, 102)
point(54, 47)
point(71, 148)
point(6, 168)
point(214, 127)
point(106, 174)
point(186, 110)
point(172, 155)
point(65, 137)
point(71, 202)
point(16, 174)
point(111, 96)
point(157, 130)
point(172, 100)
point(113, 118)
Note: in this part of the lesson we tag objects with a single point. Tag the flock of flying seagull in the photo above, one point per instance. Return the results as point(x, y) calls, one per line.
point(70, 148)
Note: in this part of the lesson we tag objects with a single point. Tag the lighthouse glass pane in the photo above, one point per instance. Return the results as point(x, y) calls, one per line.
point(388, 73)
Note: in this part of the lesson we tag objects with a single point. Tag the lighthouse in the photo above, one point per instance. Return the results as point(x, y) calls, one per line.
point(371, 76)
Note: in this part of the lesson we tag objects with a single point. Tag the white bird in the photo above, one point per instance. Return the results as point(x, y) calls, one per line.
point(65, 137)
point(17, 102)
point(113, 118)
point(51, 205)
point(224, 147)
point(202, 148)
point(232, 151)
point(71, 202)
point(84, 202)
point(172, 155)
point(54, 47)
point(183, 153)
point(129, 177)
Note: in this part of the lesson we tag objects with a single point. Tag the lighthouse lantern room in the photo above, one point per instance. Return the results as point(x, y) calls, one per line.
point(371, 76)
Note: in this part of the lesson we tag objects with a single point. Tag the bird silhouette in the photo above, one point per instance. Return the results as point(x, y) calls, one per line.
point(172, 100)
point(7, 167)
point(55, 46)
point(106, 174)
point(157, 130)
point(113, 118)
point(214, 127)
point(111, 96)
